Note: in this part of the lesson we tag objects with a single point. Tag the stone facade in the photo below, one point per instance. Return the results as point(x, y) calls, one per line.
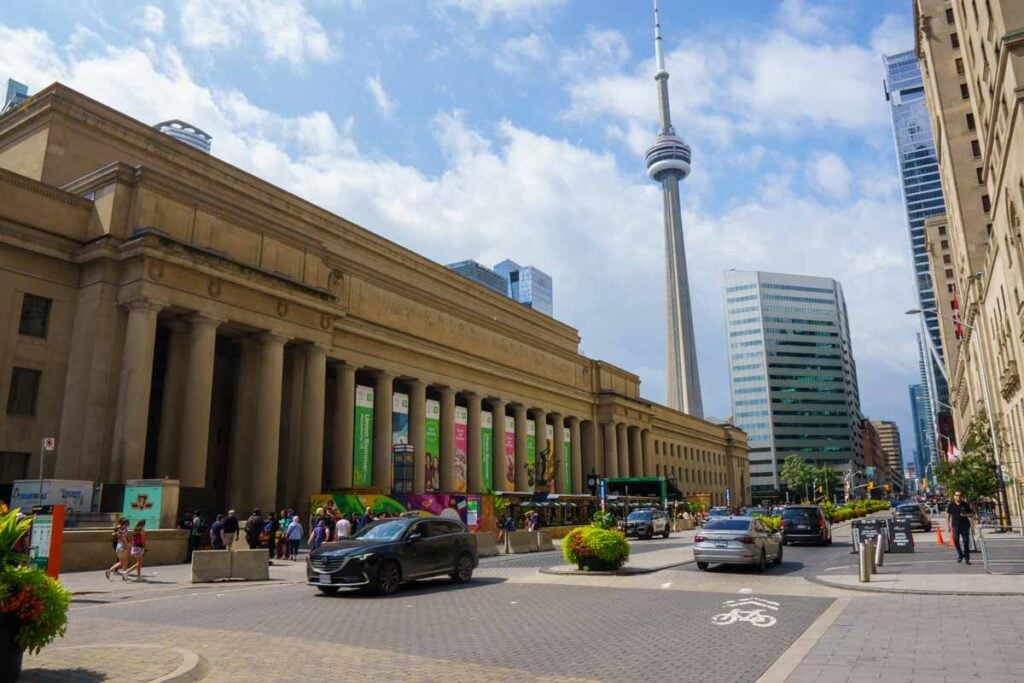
point(973, 58)
point(207, 326)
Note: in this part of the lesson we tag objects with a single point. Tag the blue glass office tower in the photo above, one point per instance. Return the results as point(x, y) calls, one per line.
point(14, 94)
point(528, 285)
point(482, 274)
point(922, 197)
point(923, 448)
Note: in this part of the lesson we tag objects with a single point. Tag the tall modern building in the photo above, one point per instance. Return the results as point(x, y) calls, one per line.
point(668, 162)
point(14, 94)
point(791, 368)
point(922, 197)
point(528, 285)
point(889, 435)
point(481, 274)
point(923, 448)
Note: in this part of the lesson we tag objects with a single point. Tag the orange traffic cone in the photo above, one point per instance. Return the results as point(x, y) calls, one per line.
point(938, 535)
point(952, 541)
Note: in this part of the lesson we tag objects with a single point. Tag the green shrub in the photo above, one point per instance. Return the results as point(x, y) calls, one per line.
point(773, 523)
point(604, 544)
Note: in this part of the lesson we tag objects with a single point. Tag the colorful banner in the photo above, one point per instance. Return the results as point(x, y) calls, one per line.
point(510, 454)
point(487, 451)
point(473, 511)
point(143, 502)
point(400, 419)
point(567, 459)
point(362, 450)
point(531, 453)
point(461, 448)
point(432, 445)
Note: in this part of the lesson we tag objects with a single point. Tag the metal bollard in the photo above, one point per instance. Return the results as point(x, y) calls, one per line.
point(870, 550)
point(880, 550)
point(864, 564)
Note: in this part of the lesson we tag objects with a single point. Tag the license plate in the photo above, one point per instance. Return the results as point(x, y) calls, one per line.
point(325, 578)
point(802, 526)
point(721, 544)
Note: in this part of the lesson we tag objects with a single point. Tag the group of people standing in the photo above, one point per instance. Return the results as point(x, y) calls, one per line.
point(128, 544)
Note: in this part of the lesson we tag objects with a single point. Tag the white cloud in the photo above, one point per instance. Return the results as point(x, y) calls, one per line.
point(285, 29)
point(601, 50)
point(515, 55)
point(830, 175)
point(385, 103)
point(150, 19)
point(484, 12)
point(894, 34)
point(805, 19)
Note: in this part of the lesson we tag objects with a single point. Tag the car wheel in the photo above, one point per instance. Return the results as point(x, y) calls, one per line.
point(778, 558)
point(762, 564)
point(328, 590)
point(703, 566)
point(650, 533)
point(666, 532)
point(784, 541)
point(829, 541)
point(463, 569)
point(388, 577)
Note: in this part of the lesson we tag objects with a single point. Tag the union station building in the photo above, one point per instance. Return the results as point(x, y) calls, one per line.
point(167, 315)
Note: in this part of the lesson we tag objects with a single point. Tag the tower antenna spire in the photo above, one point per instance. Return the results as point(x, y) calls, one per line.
point(659, 53)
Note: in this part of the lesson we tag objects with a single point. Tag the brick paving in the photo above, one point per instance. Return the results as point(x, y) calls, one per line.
point(111, 662)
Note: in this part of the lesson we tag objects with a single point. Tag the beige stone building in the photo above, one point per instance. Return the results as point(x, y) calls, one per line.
point(889, 439)
point(972, 57)
point(170, 315)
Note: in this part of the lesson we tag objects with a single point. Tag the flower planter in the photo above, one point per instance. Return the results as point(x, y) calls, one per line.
point(595, 564)
point(10, 653)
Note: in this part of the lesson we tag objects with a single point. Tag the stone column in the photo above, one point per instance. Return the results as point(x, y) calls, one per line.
point(558, 450)
point(343, 425)
point(588, 438)
point(383, 406)
point(540, 442)
point(521, 481)
point(611, 450)
point(170, 407)
point(623, 448)
point(648, 453)
point(314, 398)
point(418, 433)
point(498, 473)
point(474, 473)
point(243, 423)
point(195, 411)
point(636, 458)
point(447, 438)
point(133, 390)
point(576, 446)
point(267, 441)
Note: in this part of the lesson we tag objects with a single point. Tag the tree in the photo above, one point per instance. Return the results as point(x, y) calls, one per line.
point(828, 479)
point(797, 474)
point(975, 473)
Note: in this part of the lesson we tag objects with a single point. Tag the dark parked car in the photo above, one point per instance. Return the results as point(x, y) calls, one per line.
point(805, 524)
point(646, 523)
point(916, 513)
point(392, 551)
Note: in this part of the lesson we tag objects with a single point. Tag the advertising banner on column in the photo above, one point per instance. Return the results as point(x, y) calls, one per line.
point(510, 455)
point(487, 451)
point(551, 460)
point(432, 445)
point(567, 459)
point(461, 447)
point(400, 419)
point(362, 447)
point(531, 452)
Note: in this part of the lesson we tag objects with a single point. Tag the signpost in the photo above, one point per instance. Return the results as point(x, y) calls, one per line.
point(865, 530)
point(49, 444)
point(902, 538)
point(46, 538)
point(602, 494)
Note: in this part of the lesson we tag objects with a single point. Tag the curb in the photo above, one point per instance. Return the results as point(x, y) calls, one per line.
point(909, 591)
point(193, 667)
point(632, 571)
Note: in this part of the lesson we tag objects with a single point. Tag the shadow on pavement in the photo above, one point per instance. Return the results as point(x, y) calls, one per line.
point(77, 675)
point(431, 586)
point(773, 569)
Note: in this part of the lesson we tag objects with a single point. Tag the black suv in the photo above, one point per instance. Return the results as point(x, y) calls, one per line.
point(805, 524)
point(646, 523)
point(393, 551)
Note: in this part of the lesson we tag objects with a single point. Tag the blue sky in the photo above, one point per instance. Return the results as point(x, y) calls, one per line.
point(489, 129)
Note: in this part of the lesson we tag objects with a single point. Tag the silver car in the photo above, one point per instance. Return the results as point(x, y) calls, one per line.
point(737, 540)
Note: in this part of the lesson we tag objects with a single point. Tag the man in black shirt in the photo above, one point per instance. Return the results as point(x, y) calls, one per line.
point(958, 522)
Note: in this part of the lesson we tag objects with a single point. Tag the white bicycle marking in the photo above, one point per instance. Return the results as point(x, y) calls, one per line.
point(755, 616)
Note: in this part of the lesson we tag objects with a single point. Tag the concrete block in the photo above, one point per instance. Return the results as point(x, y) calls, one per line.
point(486, 543)
point(250, 565)
point(522, 542)
point(544, 540)
point(211, 565)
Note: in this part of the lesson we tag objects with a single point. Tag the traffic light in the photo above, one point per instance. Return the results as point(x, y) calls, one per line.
point(924, 484)
point(821, 489)
point(871, 486)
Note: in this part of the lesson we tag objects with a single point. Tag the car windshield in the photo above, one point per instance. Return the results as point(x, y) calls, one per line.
point(799, 513)
point(907, 508)
point(717, 512)
point(383, 531)
point(639, 516)
point(727, 525)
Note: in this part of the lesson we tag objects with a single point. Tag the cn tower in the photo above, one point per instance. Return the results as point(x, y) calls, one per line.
point(668, 162)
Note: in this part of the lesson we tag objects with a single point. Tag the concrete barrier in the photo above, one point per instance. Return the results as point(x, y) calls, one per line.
point(250, 565)
point(211, 565)
point(89, 549)
point(486, 543)
point(544, 540)
point(522, 542)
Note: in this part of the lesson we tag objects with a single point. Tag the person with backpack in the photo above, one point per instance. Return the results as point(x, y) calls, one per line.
point(120, 540)
point(254, 529)
point(318, 536)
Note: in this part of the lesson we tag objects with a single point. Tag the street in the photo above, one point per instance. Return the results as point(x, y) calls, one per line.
point(515, 623)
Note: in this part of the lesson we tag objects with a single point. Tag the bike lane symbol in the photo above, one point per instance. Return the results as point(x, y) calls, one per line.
point(754, 614)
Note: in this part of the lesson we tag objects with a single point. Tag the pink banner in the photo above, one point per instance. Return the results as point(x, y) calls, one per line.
point(510, 454)
point(461, 447)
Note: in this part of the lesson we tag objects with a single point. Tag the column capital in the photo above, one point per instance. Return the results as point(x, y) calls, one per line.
point(315, 347)
point(571, 420)
point(203, 320)
point(142, 303)
point(177, 325)
point(383, 375)
point(556, 416)
point(416, 384)
point(271, 338)
point(444, 390)
point(342, 364)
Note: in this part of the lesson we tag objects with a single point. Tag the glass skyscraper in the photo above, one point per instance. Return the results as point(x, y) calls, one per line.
point(528, 285)
point(792, 373)
point(922, 196)
point(923, 447)
point(482, 274)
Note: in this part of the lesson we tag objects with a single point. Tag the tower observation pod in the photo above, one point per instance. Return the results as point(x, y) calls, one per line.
point(668, 162)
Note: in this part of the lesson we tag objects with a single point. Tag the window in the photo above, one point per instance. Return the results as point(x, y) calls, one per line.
point(949, 273)
point(959, 66)
point(986, 203)
point(942, 229)
point(964, 92)
point(970, 122)
point(24, 389)
point(944, 244)
point(949, 15)
point(975, 148)
point(35, 316)
point(947, 259)
point(981, 179)
point(954, 41)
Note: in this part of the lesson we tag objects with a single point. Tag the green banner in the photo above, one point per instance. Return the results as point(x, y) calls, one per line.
point(362, 451)
point(531, 452)
point(567, 441)
point(487, 451)
point(432, 444)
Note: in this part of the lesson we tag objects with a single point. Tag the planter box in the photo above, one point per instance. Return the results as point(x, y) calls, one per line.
point(10, 654)
point(594, 564)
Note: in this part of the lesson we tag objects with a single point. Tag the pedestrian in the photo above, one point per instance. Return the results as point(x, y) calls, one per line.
point(195, 536)
point(342, 528)
point(294, 536)
point(318, 535)
point(366, 519)
point(254, 529)
point(958, 523)
point(282, 526)
point(217, 533)
point(501, 529)
point(138, 550)
point(231, 527)
point(121, 542)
